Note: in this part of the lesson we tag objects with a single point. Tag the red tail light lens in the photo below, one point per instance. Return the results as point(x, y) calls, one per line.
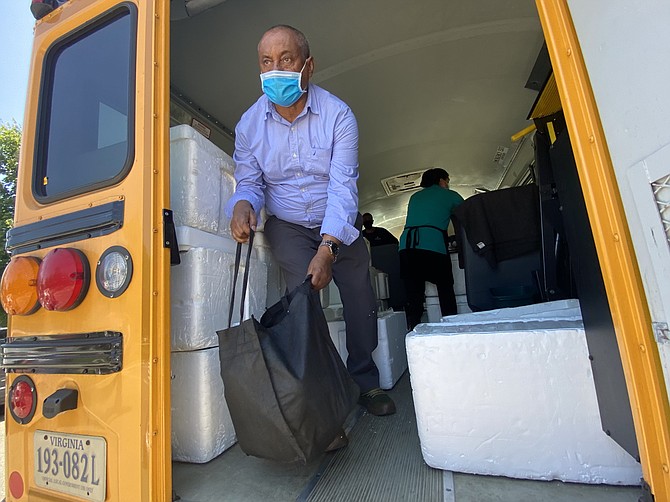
point(63, 279)
point(18, 289)
point(22, 399)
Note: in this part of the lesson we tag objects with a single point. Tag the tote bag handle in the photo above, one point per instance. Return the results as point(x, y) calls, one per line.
point(245, 280)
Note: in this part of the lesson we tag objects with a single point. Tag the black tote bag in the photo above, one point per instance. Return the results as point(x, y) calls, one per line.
point(286, 387)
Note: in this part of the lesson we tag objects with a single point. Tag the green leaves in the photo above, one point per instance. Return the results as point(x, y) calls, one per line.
point(10, 142)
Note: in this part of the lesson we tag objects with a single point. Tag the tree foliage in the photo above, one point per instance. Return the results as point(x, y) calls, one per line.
point(10, 142)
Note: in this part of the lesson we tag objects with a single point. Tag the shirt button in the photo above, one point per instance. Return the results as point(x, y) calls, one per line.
point(295, 155)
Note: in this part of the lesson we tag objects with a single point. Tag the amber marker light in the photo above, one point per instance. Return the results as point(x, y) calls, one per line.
point(18, 287)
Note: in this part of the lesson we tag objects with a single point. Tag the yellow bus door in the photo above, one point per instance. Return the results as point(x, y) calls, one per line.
point(609, 222)
point(87, 356)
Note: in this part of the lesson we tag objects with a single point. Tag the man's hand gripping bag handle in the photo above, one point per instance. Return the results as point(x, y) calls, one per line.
point(245, 280)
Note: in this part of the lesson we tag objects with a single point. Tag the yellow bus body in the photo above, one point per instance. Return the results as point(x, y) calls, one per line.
point(129, 408)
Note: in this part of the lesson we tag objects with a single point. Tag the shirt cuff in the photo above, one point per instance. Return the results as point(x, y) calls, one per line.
point(340, 229)
point(255, 202)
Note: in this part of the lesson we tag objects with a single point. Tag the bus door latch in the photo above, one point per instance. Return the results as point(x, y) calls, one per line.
point(60, 401)
point(170, 237)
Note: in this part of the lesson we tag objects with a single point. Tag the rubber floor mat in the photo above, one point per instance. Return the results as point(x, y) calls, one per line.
point(383, 461)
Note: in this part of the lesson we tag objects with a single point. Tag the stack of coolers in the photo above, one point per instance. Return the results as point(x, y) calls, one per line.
point(201, 183)
point(390, 355)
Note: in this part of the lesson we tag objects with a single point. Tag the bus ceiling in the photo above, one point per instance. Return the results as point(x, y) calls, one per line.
point(180, 9)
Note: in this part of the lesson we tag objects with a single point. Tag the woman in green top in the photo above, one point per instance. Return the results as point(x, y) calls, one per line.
point(424, 255)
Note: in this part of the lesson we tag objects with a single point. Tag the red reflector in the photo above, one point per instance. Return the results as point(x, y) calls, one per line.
point(21, 400)
point(16, 485)
point(63, 279)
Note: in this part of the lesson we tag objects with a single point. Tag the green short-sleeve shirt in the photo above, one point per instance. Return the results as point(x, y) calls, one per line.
point(430, 207)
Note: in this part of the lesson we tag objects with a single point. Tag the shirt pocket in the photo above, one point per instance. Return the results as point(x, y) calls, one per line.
point(318, 162)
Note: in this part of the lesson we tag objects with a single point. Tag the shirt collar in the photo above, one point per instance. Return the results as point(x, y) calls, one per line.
point(312, 105)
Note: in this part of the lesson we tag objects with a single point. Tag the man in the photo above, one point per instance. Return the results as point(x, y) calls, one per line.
point(376, 236)
point(296, 153)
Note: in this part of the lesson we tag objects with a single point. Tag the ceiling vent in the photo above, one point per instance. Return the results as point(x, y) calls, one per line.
point(402, 182)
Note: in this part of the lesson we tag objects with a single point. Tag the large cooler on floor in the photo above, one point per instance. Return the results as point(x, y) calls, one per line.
point(514, 399)
point(201, 423)
point(558, 309)
point(390, 355)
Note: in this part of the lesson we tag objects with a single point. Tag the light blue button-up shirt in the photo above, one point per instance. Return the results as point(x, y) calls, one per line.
point(303, 172)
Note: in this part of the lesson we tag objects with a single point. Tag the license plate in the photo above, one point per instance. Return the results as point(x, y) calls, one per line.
point(71, 464)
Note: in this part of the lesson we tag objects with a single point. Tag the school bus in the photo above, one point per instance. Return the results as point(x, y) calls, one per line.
point(88, 286)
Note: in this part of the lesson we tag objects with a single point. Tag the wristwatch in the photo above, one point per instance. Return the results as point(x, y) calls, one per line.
point(333, 247)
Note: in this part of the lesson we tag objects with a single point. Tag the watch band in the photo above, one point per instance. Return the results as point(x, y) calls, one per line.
point(332, 247)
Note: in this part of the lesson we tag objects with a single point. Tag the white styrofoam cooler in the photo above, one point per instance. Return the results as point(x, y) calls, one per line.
point(513, 399)
point(462, 306)
point(433, 309)
point(201, 424)
point(201, 181)
point(201, 286)
point(459, 275)
point(332, 302)
point(390, 355)
point(558, 309)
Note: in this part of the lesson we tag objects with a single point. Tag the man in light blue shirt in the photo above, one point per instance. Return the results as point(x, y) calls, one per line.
point(296, 154)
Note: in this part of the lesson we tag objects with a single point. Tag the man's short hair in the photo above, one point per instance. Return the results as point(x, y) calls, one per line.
point(299, 35)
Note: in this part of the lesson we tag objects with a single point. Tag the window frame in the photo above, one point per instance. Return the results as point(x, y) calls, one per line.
point(43, 123)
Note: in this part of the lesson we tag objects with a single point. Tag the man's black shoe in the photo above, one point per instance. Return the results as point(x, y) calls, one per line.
point(377, 402)
point(339, 442)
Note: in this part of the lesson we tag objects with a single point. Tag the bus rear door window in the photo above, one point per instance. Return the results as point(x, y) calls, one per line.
point(87, 109)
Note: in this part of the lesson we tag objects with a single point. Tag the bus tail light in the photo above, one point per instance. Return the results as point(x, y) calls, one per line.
point(22, 399)
point(114, 271)
point(63, 279)
point(18, 287)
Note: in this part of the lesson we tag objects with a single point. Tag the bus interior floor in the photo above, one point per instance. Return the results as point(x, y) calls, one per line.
point(382, 462)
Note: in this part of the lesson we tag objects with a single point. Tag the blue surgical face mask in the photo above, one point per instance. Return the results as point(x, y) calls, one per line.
point(282, 87)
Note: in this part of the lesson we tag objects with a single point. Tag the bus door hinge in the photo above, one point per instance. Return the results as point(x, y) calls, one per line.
point(170, 237)
point(661, 332)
